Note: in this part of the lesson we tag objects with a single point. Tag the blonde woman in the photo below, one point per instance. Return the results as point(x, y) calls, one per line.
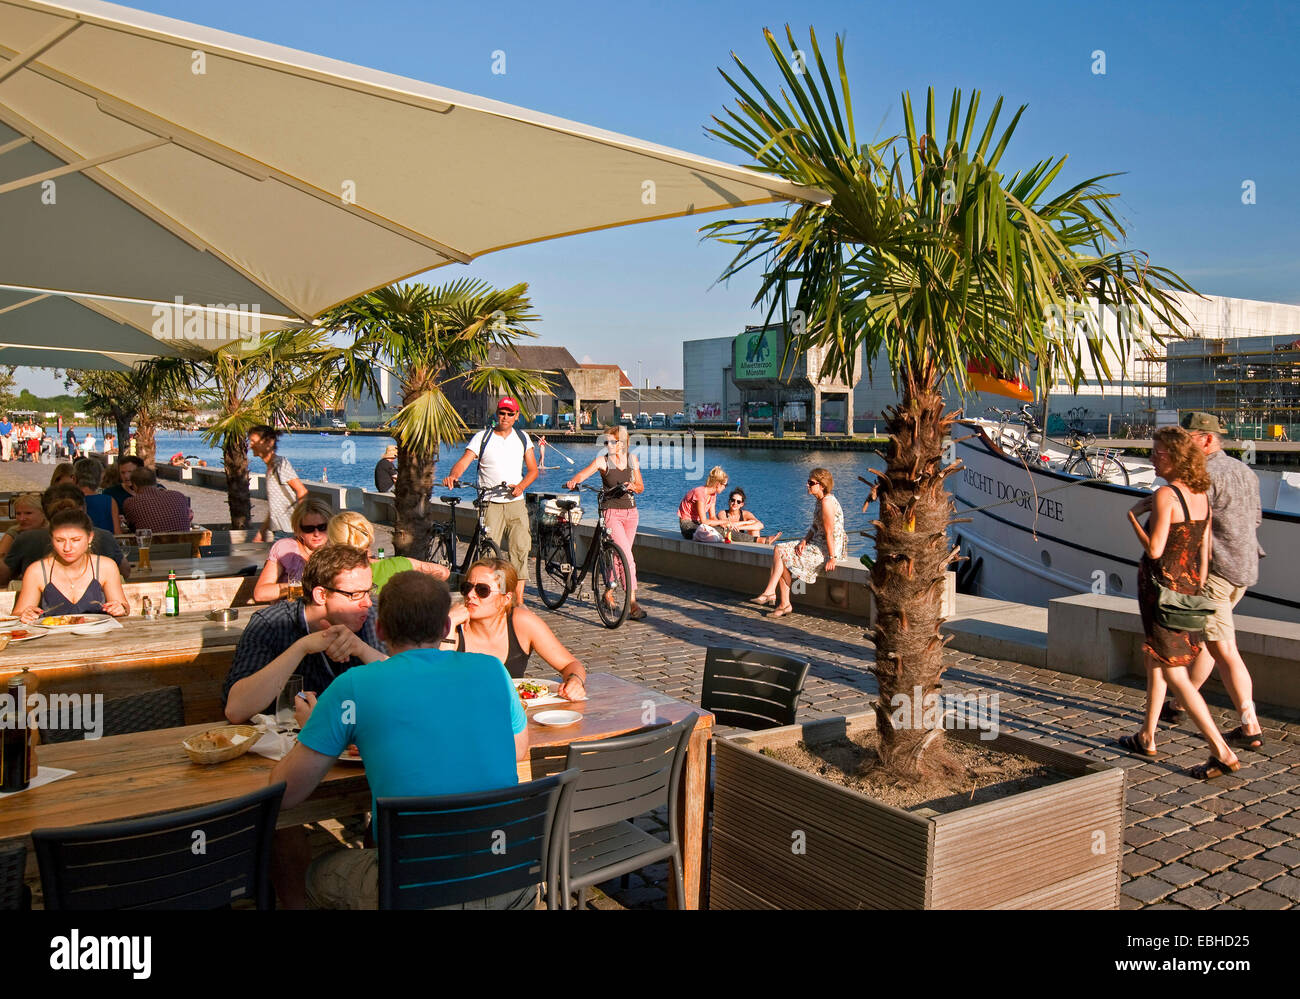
point(825, 543)
point(288, 556)
point(619, 467)
point(350, 528)
point(63, 474)
point(489, 622)
point(28, 514)
point(699, 508)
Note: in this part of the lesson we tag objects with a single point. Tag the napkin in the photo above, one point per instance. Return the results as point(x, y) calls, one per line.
point(272, 744)
point(44, 775)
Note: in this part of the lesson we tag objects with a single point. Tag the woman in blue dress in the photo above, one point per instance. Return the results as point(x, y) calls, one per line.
point(72, 580)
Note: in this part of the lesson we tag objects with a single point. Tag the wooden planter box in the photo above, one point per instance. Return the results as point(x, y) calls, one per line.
point(1055, 847)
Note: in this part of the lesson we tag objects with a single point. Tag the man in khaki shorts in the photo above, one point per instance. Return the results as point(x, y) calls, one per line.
point(1234, 567)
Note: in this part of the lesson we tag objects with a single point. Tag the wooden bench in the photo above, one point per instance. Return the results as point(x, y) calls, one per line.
point(1101, 637)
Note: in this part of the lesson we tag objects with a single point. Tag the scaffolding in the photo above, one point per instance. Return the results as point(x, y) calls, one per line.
point(1252, 384)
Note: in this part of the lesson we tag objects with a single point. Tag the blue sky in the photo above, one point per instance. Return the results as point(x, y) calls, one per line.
point(1196, 99)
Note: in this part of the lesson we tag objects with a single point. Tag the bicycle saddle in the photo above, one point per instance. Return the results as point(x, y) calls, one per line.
point(566, 504)
point(453, 500)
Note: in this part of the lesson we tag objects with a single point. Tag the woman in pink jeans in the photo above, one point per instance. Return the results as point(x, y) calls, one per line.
point(619, 467)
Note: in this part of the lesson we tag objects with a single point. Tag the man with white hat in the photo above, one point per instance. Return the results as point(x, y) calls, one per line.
point(386, 471)
point(505, 454)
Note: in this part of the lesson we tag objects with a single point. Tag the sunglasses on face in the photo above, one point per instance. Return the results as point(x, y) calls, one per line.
point(356, 596)
point(480, 590)
point(312, 528)
point(505, 412)
point(812, 482)
point(736, 500)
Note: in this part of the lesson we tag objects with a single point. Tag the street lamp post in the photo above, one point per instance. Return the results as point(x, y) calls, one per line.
point(639, 401)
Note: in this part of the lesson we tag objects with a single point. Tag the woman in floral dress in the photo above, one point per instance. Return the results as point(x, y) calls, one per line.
point(805, 559)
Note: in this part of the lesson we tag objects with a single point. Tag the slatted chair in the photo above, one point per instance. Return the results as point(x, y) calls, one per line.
point(201, 858)
point(453, 849)
point(751, 689)
point(620, 779)
point(15, 896)
point(163, 707)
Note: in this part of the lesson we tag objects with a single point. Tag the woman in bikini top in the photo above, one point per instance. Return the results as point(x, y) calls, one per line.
point(486, 622)
point(72, 581)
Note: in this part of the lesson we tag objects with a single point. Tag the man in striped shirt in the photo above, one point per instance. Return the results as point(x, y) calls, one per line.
point(155, 509)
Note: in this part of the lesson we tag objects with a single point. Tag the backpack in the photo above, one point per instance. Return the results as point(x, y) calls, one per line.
point(489, 434)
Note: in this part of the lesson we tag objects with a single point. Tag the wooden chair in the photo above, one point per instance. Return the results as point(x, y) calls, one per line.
point(620, 779)
point(453, 849)
point(15, 896)
point(143, 712)
point(155, 863)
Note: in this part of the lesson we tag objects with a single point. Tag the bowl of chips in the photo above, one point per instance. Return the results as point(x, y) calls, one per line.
point(217, 745)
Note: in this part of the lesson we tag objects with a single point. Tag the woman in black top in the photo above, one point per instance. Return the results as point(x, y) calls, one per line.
point(740, 519)
point(489, 622)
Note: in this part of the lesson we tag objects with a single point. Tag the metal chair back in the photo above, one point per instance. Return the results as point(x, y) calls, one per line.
point(163, 707)
point(201, 858)
point(752, 689)
point(450, 849)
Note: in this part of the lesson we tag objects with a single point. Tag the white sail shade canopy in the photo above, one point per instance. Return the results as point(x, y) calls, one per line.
point(149, 159)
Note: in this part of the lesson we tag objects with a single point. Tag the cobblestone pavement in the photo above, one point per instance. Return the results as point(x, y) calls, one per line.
point(1229, 843)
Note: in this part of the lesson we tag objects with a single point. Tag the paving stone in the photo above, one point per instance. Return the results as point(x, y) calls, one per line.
point(1194, 839)
point(1148, 889)
point(1264, 870)
point(1242, 849)
point(1135, 865)
point(1165, 824)
point(1288, 855)
point(1136, 836)
point(1260, 899)
point(1179, 874)
point(1197, 897)
point(1209, 860)
point(1287, 825)
point(1287, 886)
point(1229, 882)
point(1266, 837)
point(1164, 851)
point(1192, 815)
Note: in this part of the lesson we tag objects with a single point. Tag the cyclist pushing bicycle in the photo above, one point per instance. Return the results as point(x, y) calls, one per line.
point(505, 455)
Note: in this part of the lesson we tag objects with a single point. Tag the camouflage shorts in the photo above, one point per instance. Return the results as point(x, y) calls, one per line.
point(349, 879)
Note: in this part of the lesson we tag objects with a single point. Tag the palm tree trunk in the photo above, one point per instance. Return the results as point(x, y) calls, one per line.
point(145, 446)
point(912, 555)
point(234, 457)
point(122, 420)
point(411, 493)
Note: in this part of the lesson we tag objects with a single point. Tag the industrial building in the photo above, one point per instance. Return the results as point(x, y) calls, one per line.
point(1252, 384)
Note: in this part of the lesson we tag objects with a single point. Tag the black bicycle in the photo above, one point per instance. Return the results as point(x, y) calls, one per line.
point(1085, 460)
point(443, 541)
point(558, 571)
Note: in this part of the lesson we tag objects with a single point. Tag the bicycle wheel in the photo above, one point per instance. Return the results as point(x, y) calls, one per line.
point(485, 548)
point(1081, 466)
point(554, 568)
point(609, 584)
point(1111, 469)
point(439, 553)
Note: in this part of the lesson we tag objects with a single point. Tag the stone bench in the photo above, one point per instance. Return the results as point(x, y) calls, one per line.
point(1101, 637)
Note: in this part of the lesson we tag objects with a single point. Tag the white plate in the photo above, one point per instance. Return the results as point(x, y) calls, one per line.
point(345, 758)
point(86, 619)
point(32, 632)
point(8, 622)
point(552, 696)
point(557, 719)
point(97, 628)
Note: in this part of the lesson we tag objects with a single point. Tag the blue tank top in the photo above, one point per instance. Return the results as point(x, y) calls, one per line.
point(91, 602)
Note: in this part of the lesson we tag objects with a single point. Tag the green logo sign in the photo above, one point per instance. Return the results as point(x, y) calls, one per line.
point(756, 355)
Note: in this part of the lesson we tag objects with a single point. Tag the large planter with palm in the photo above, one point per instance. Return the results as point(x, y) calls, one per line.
point(928, 255)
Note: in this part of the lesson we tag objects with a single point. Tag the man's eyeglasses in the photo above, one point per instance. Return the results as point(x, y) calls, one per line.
point(480, 590)
point(356, 596)
point(312, 528)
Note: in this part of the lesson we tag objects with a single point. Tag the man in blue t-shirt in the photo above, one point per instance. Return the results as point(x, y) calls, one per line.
point(396, 712)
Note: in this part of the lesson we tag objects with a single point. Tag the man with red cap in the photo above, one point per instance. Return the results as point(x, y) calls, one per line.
point(504, 454)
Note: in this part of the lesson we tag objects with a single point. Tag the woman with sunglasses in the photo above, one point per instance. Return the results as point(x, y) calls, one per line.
point(489, 622)
point(739, 519)
point(825, 542)
point(619, 467)
point(350, 528)
point(282, 575)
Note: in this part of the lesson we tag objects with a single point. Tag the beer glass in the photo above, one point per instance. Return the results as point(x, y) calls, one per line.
point(143, 541)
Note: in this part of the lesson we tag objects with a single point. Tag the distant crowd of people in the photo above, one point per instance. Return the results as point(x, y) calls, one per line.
point(29, 441)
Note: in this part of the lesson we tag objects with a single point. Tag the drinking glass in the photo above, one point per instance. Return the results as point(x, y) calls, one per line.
point(284, 704)
point(143, 541)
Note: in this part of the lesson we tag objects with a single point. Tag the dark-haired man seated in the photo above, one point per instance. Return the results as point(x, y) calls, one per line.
point(395, 711)
point(330, 630)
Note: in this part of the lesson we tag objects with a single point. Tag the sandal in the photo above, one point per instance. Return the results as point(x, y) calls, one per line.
point(1246, 740)
point(771, 539)
point(782, 611)
point(1133, 745)
point(1214, 767)
point(763, 600)
point(1171, 713)
point(637, 614)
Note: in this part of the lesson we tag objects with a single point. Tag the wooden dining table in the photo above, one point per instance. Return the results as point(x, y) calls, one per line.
point(211, 567)
point(148, 773)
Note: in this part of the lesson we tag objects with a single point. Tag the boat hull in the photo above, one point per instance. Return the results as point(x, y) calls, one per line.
point(1035, 534)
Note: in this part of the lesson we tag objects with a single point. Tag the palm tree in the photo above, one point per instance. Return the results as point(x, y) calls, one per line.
point(927, 251)
point(247, 383)
point(154, 393)
point(430, 338)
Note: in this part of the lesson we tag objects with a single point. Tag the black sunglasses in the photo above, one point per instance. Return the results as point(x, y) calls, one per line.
point(506, 412)
point(481, 590)
point(812, 482)
point(313, 528)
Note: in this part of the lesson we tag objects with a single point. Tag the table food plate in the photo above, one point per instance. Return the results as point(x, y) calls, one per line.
point(25, 633)
point(350, 755)
point(535, 693)
point(557, 719)
point(70, 622)
point(9, 621)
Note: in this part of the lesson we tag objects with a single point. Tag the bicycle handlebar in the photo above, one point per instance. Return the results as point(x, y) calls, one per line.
point(501, 489)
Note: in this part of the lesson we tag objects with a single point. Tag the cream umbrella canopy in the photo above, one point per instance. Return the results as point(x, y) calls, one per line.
point(145, 158)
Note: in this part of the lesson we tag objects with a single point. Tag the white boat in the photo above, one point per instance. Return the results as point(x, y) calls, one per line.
point(1036, 533)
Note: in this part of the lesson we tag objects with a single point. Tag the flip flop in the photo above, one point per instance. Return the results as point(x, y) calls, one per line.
point(638, 615)
point(1245, 740)
point(1214, 767)
point(1171, 713)
point(1133, 745)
